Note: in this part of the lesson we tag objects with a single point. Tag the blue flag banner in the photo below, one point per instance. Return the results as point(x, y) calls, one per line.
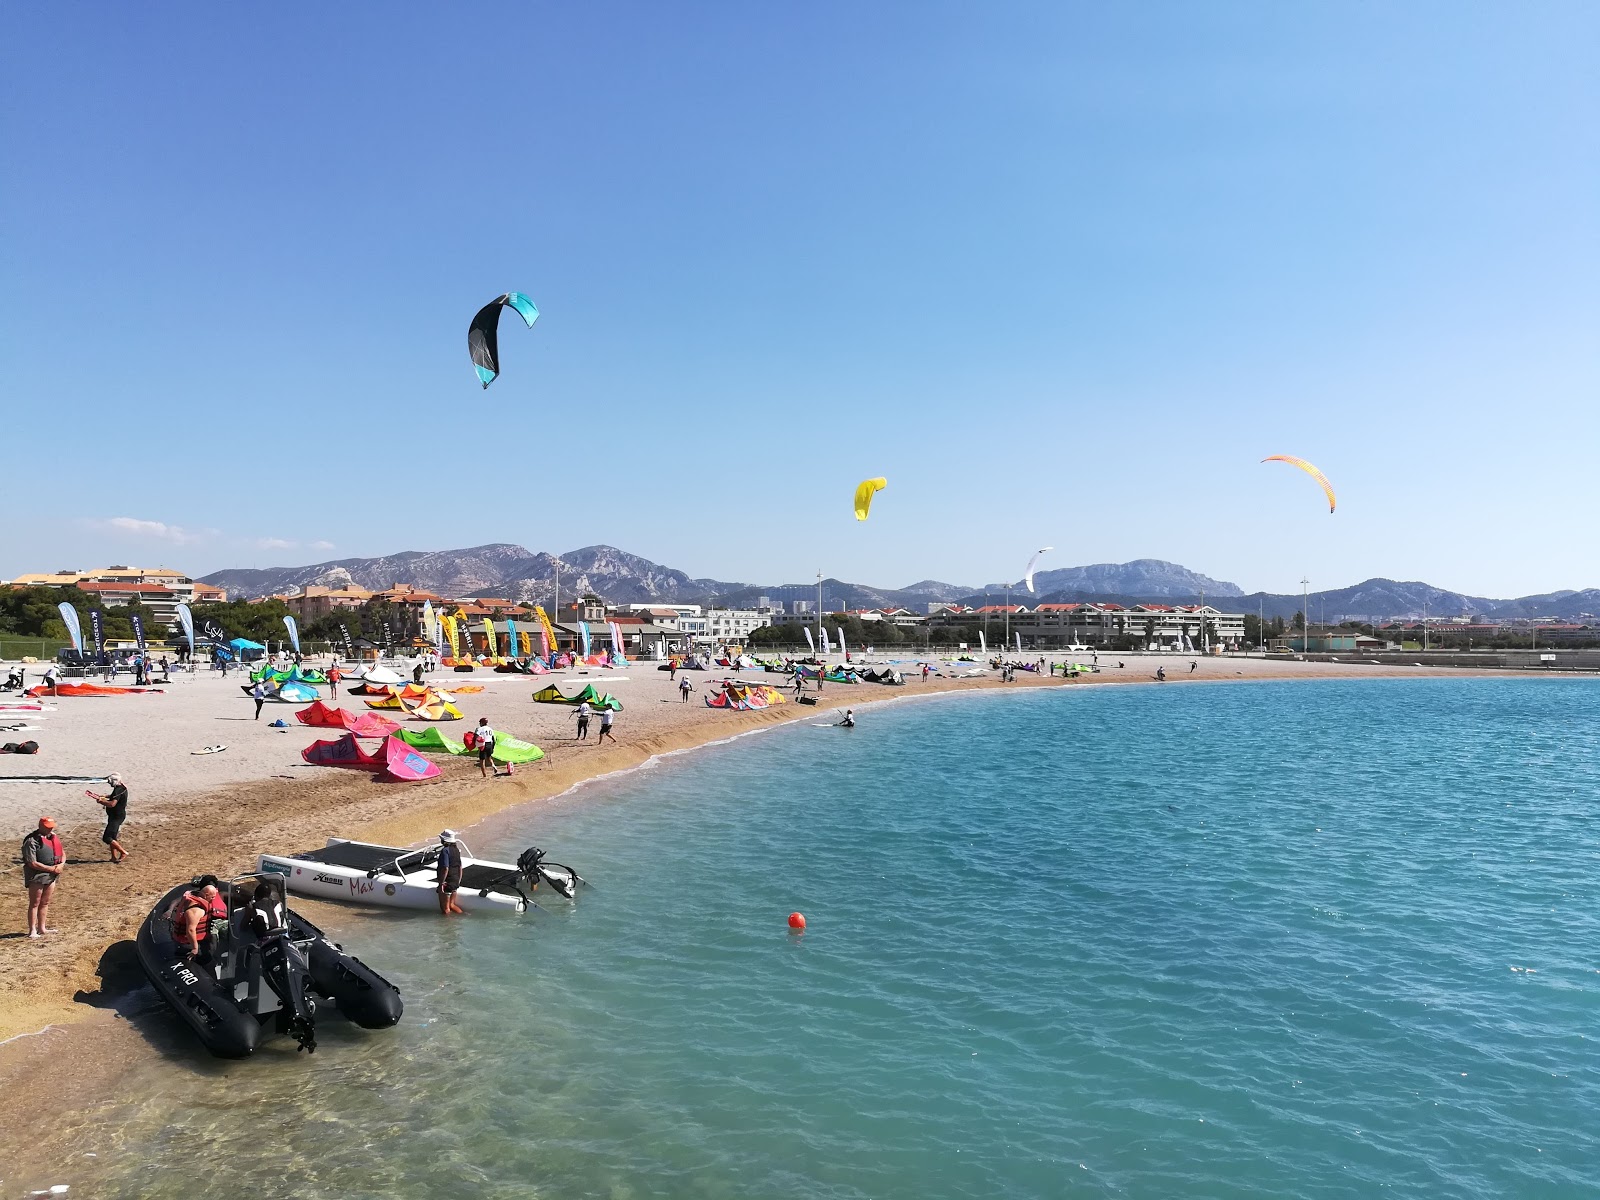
point(74, 629)
point(99, 632)
point(138, 631)
point(186, 619)
point(583, 628)
point(294, 633)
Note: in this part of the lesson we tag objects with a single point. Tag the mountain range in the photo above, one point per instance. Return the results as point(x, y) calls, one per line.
point(516, 573)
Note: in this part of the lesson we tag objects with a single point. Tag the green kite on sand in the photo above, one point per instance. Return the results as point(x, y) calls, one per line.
point(509, 750)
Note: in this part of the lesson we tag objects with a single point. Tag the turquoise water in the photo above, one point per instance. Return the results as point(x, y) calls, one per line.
point(1312, 940)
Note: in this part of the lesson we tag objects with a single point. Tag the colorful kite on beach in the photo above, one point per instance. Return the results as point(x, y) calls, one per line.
point(1027, 574)
point(483, 337)
point(1309, 470)
point(865, 491)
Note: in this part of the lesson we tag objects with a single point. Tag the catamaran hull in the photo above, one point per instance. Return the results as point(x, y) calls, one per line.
point(325, 881)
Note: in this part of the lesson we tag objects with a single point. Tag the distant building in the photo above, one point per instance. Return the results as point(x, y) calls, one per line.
point(313, 603)
point(159, 588)
point(735, 624)
point(1151, 626)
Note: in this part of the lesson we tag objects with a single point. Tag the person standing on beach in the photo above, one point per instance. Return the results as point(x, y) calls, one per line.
point(684, 688)
point(483, 739)
point(42, 859)
point(449, 878)
point(924, 672)
point(334, 675)
point(116, 806)
point(605, 727)
point(259, 694)
point(583, 721)
point(672, 669)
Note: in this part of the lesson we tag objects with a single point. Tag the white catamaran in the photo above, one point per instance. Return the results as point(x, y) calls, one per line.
point(369, 874)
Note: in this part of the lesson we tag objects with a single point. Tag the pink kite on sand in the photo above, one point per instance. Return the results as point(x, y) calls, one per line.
point(396, 758)
point(405, 763)
point(367, 724)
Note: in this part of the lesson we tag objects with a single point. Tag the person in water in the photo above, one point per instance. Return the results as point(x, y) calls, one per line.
point(449, 878)
point(849, 721)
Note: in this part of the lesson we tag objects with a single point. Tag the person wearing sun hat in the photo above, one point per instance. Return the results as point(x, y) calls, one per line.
point(42, 860)
point(449, 879)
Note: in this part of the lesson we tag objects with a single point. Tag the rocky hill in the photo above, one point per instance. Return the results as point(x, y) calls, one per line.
point(517, 573)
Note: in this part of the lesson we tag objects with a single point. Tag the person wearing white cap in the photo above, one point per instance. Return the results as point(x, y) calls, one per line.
point(449, 879)
point(116, 806)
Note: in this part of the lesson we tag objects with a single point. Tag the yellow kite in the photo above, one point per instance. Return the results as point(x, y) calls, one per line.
point(865, 491)
point(1309, 470)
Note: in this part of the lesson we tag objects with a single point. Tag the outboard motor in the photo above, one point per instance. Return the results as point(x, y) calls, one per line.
point(563, 880)
point(288, 974)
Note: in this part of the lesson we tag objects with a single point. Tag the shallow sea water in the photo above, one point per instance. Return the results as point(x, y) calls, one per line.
point(1327, 939)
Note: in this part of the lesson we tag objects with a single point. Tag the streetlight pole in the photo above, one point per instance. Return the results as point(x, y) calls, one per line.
point(819, 612)
point(1305, 615)
point(1008, 614)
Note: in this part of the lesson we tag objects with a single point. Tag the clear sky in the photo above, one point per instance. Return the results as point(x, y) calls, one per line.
point(1063, 272)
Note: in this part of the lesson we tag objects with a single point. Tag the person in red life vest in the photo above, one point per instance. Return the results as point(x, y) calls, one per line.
point(42, 859)
point(192, 914)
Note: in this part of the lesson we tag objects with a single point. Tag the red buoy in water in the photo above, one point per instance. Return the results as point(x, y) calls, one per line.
point(797, 921)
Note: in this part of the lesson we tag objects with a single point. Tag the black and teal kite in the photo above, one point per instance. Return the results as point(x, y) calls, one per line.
point(483, 341)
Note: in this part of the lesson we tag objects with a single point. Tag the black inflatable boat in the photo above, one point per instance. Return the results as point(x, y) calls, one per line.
point(253, 980)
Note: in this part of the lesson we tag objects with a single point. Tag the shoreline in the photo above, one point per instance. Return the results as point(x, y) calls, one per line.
point(80, 1016)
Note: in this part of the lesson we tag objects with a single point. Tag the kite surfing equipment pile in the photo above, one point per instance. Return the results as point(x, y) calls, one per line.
point(28, 747)
point(253, 980)
point(507, 749)
point(368, 724)
point(367, 874)
point(394, 758)
point(743, 697)
point(884, 675)
point(551, 694)
point(285, 693)
point(300, 674)
point(420, 702)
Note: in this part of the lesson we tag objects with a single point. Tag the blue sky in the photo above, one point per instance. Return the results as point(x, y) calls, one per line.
point(1062, 272)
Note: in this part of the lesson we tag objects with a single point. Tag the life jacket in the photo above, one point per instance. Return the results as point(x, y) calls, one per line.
point(212, 910)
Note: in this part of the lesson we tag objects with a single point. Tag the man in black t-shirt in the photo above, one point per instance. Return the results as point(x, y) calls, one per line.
point(116, 806)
